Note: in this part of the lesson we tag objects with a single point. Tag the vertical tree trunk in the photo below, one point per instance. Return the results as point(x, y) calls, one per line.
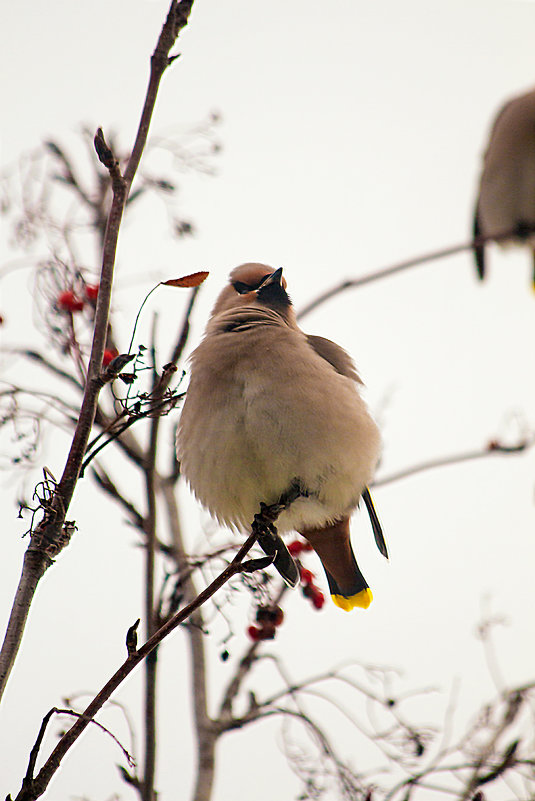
point(205, 730)
point(206, 742)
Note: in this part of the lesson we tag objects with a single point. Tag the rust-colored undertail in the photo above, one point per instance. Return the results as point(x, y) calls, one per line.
point(347, 585)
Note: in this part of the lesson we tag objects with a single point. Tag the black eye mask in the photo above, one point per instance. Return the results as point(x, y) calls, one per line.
point(242, 288)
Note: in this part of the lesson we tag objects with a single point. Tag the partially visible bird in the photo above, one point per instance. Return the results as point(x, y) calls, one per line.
point(505, 206)
point(269, 409)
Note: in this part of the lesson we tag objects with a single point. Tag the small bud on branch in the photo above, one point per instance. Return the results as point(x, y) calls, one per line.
point(104, 152)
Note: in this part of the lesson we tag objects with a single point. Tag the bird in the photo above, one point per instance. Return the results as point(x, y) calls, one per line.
point(272, 411)
point(505, 204)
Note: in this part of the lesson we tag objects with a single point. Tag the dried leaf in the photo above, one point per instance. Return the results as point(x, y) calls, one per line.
point(194, 279)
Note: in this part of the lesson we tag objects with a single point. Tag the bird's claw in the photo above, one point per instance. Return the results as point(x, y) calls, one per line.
point(251, 565)
point(273, 545)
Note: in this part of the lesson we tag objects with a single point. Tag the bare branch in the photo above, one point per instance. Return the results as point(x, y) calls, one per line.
point(37, 786)
point(177, 19)
point(49, 539)
point(204, 729)
point(37, 357)
point(416, 261)
point(491, 449)
point(105, 483)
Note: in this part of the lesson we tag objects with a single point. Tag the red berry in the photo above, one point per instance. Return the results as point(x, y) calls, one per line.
point(307, 576)
point(263, 613)
point(307, 546)
point(267, 631)
point(254, 633)
point(279, 616)
point(91, 292)
point(67, 301)
point(269, 616)
point(296, 547)
point(318, 598)
point(109, 356)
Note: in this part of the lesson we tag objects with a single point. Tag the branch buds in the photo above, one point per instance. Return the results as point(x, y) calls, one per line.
point(104, 152)
point(131, 638)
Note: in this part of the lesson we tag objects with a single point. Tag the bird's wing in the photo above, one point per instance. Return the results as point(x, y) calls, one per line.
point(335, 355)
point(343, 363)
point(374, 520)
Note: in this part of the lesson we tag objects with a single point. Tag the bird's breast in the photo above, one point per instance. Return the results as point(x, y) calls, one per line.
point(265, 412)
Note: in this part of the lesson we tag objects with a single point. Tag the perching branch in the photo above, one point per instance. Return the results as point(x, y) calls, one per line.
point(35, 787)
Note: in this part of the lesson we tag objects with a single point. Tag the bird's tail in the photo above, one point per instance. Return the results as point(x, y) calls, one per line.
point(347, 585)
point(374, 520)
point(479, 250)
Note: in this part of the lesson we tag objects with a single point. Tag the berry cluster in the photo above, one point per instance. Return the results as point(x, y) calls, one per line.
point(69, 301)
point(268, 619)
point(309, 589)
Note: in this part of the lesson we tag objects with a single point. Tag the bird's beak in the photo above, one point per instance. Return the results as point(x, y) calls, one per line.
point(274, 278)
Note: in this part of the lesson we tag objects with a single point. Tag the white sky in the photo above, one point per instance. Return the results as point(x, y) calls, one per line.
point(352, 134)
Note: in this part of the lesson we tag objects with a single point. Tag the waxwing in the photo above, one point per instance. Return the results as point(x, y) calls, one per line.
point(505, 206)
point(268, 409)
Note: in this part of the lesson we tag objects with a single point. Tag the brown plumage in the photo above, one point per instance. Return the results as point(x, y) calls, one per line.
point(268, 407)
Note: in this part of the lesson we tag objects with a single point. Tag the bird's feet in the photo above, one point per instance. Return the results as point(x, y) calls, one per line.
point(273, 545)
point(268, 537)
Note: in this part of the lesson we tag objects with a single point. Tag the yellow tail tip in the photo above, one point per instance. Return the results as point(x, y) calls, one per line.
point(362, 599)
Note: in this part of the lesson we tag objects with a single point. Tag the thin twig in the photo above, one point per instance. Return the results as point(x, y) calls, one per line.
point(150, 523)
point(34, 789)
point(49, 537)
point(35, 356)
point(105, 483)
point(205, 733)
point(386, 272)
point(177, 19)
point(159, 387)
point(493, 448)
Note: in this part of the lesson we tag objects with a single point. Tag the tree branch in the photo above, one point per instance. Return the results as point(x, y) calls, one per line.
point(149, 527)
point(491, 449)
point(51, 536)
point(416, 261)
point(37, 786)
point(205, 734)
point(177, 18)
point(105, 482)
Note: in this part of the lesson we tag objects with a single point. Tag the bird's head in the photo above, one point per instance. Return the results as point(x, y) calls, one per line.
point(255, 284)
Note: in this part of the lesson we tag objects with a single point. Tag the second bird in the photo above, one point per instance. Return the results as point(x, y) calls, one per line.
point(269, 409)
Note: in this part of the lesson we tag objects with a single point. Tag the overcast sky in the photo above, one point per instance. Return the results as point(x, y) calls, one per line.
point(352, 134)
